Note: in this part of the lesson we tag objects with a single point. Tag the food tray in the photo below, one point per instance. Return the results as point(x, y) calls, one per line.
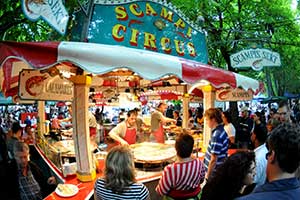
point(148, 152)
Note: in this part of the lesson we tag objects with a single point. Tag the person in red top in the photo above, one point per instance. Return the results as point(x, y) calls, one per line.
point(182, 179)
point(158, 120)
point(125, 132)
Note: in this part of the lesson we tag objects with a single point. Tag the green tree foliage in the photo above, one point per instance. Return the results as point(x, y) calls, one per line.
point(233, 25)
point(16, 27)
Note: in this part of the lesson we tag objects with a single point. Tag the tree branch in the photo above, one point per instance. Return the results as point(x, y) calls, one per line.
point(10, 24)
point(287, 43)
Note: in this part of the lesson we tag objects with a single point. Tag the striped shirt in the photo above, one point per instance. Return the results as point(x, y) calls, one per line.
point(136, 191)
point(181, 176)
point(218, 145)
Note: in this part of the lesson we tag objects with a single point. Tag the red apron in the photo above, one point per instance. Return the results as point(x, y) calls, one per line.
point(93, 131)
point(159, 134)
point(130, 135)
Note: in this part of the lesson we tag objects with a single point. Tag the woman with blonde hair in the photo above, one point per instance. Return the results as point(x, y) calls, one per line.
point(119, 177)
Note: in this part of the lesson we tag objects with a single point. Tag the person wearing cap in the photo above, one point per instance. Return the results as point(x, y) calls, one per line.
point(158, 120)
point(244, 128)
point(126, 131)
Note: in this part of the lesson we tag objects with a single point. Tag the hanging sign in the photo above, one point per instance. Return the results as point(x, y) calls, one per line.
point(255, 58)
point(236, 94)
point(151, 25)
point(37, 85)
point(52, 11)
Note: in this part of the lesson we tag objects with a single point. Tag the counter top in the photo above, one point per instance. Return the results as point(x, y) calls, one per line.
point(86, 189)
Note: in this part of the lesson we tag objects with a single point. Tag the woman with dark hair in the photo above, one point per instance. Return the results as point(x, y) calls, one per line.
point(228, 126)
point(119, 177)
point(182, 179)
point(231, 178)
point(257, 118)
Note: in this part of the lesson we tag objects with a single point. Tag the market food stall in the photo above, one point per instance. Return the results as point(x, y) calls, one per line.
point(175, 49)
point(140, 61)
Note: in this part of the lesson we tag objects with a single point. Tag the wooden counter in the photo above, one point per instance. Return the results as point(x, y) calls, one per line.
point(86, 189)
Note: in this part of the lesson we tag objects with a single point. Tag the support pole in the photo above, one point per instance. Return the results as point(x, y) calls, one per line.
point(209, 97)
point(41, 116)
point(81, 135)
point(185, 108)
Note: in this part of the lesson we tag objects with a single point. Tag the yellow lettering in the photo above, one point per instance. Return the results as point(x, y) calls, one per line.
point(134, 37)
point(121, 13)
point(134, 10)
point(180, 23)
point(150, 41)
point(191, 49)
point(168, 15)
point(165, 44)
point(179, 47)
point(116, 32)
point(150, 10)
point(189, 32)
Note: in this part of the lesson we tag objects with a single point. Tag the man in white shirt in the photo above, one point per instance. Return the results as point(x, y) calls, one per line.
point(258, 139)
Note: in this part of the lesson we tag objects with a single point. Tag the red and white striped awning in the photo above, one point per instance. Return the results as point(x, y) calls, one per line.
point(99, 59)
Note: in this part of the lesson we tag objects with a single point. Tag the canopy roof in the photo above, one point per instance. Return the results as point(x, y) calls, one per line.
point(99, 59)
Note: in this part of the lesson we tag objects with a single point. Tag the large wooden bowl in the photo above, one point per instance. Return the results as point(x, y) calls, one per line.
point(148, 152)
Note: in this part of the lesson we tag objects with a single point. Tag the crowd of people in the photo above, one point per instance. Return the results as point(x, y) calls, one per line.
point(20, 177)
point(266, 164)
point(242, 175)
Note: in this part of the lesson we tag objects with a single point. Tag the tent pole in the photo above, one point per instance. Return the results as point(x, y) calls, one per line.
point(209, 96)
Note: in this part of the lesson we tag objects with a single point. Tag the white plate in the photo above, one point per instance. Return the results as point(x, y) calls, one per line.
point(66, 190)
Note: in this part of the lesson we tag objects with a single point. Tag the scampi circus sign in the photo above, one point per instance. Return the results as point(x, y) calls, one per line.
point(255, 58)
point(151, 25)
point(44, 85)
point(236, 94)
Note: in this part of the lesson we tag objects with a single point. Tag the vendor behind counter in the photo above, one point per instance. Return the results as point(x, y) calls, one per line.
point(125, 133)
point(157, 121)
